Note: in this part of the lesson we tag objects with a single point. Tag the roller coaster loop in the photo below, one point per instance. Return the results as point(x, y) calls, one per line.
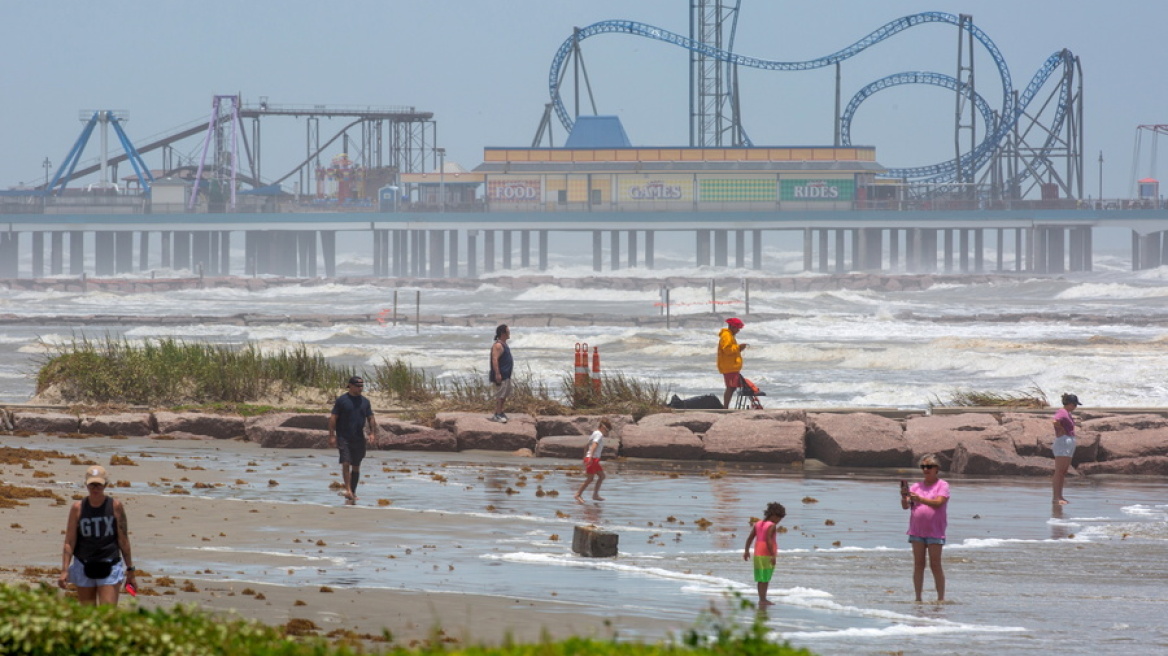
point(998, 127)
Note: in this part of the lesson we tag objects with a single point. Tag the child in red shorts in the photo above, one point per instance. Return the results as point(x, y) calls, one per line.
point(592, 461)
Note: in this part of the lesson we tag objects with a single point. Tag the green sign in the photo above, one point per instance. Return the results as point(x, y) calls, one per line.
point(744, 190)
point(817, 190)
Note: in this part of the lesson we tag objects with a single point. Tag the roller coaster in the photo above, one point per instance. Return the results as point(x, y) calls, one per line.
point(1024, 137)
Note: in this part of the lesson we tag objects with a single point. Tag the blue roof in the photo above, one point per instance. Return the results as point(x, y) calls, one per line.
point(598, 132)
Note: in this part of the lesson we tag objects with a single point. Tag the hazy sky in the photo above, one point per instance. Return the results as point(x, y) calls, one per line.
point(482, 67)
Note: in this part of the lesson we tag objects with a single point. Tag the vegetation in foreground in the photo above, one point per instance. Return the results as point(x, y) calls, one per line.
point(1032, 397)
point(40, 621)
point(173, 373)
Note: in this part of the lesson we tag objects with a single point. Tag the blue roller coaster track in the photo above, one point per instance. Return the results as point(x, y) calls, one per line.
point(999, 124)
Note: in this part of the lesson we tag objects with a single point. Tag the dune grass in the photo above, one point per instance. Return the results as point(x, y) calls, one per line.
point(173, 373)
point(167, 372)
point(1031, 397)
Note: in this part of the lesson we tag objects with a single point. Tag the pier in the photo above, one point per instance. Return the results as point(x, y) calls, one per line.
point(451, 245)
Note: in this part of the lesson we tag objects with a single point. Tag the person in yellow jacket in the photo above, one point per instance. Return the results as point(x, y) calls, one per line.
point(730, 357)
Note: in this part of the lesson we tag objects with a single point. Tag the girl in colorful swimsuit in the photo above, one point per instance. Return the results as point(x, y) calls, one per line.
point(766, 549)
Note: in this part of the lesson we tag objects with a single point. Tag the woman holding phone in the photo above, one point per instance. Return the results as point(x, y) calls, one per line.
point(97, 556)
point(928, 501)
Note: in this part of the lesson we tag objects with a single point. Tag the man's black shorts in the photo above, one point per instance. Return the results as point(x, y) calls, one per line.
point(352, 451)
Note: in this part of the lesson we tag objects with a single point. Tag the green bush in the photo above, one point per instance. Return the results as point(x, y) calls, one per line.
point(169, 372)
point(41, 621)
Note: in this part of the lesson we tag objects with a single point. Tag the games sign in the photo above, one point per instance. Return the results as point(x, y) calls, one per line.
point(657, 188)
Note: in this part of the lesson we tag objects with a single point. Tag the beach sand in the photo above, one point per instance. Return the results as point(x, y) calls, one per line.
point(164, 526)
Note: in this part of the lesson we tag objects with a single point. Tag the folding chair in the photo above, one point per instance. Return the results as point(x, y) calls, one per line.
point(748, 394)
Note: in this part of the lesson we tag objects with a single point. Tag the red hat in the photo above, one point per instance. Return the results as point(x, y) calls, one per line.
point(735, 322)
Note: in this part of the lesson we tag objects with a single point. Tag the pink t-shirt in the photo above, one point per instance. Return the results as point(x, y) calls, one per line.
point(928, 521)
point(1063, 417)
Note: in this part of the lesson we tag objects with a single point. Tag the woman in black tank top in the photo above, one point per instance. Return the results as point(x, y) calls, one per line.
point(96, 556)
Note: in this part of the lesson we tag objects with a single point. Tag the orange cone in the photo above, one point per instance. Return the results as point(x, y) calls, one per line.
point(581, 377)
point(596, 370)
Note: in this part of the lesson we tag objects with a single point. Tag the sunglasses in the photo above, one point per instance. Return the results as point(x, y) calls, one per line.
point(928, 466)
point(95, 485)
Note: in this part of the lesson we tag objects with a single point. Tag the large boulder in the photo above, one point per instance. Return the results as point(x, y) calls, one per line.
point(1129, 436)
point(694, 422)
point(657, 440)
point(546, 426)
point(1145, 466)
point(859, 439)
point(45, 422)
point(474, 430)
point(940, 434)
point(574, 446)
point(278, 430)
point(1031, 433)
point(422, 440)
point(223, 427)
point(133, 424)
point(755, 438)
point(404, 436)
point(997, 458)
point(565, 425)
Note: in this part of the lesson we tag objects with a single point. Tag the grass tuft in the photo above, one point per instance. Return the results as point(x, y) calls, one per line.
point(1032, 397)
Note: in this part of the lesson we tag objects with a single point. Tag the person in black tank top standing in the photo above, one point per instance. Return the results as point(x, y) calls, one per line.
point(347, 427)
point(501, 366)
point(97, 556)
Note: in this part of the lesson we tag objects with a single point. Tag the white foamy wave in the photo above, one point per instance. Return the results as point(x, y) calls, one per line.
point(1150, 512)
point(989, 543)
point(543, 293)
point(1110, 292)
point(899, 631)
point(276, 554)
point(190, 331)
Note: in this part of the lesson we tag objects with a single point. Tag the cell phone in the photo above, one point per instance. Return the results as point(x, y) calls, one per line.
point(131, 589)
point(904, 487)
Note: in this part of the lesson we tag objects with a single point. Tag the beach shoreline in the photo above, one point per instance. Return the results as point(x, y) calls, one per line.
point(165, 527)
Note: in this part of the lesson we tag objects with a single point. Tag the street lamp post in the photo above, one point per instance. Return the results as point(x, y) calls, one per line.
point(441, 178)
point(48, 165)
point(1101, 178)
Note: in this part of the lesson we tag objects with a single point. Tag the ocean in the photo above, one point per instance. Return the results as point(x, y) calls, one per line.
point(1093, 580)
point(1099, 334)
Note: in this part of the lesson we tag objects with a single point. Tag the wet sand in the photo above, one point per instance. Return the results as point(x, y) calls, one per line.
point(165, 526)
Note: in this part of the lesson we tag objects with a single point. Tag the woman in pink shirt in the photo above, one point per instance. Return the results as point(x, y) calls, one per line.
point(928, 501)
point(1064, 446)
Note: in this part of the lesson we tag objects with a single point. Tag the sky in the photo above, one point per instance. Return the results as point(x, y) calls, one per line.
point(481, 66)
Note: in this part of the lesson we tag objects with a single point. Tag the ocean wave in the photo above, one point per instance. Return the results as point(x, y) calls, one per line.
point(897, 631)
point(1110, 292)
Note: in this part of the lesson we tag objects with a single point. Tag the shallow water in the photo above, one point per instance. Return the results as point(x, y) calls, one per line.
point(1092, 581)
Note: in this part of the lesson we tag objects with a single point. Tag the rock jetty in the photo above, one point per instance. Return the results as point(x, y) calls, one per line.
point(975, 443)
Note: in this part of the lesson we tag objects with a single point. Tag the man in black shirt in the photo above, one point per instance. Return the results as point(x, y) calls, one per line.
point(351, 412)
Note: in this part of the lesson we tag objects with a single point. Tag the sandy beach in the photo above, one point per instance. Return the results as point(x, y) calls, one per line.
point(479, 543)
point(165, 525)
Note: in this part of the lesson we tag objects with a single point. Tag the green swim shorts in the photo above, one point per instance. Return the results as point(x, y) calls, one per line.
point(763, 569)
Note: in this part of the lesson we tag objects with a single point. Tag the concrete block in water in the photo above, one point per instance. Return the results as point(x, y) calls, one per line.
point(593, 542)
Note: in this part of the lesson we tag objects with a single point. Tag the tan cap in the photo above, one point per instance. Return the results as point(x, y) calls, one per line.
point(95, 474)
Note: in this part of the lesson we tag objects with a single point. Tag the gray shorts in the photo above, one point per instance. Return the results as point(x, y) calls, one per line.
point(352, 452)
point(503, 390)
point(1064, 447)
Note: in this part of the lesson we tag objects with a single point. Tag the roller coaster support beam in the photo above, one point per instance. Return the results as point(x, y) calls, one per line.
point(965, 118)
